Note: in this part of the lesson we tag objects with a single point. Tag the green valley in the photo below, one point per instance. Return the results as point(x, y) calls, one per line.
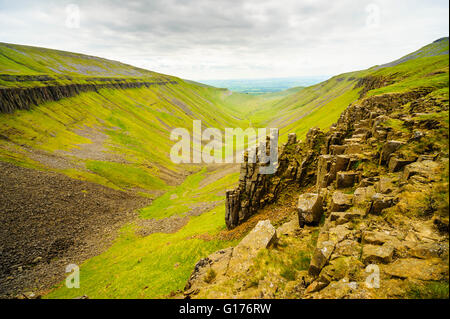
point(106, 125)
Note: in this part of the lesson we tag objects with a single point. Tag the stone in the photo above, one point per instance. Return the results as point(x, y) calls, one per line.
point(380, 202)
point(344, 217)
point(353, 148)
point(341, 163)
point(369, 181)
point(347, 247)
point(309, 209)
point(426, 250)
point(340, 202)
point(344, 289)
point(323, 169)
point(385, 185)
point(346, 179)
point(361, 195)
point(396, 164)
point(289, 228)
point(374, 254)
point(375, 238)
point(420, 269)
point(337, 149)
point(426, 169)
point(262, 236)
point(316, 286)
point(338, 233)
point(388, 148)
point(292, 138)
point(322, 254)
point(342, 267)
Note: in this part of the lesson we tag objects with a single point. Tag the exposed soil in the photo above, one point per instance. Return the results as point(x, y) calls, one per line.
point(49, 220)
point(167, 225)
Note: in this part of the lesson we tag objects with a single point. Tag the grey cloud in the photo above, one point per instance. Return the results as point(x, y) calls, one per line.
point(230, 39)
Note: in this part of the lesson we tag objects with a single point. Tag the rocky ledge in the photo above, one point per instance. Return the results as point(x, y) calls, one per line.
point(372, 211)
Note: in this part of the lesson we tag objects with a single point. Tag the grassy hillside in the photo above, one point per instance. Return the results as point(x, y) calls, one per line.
point(120, 138)
point(320, 105)
point(27, 60)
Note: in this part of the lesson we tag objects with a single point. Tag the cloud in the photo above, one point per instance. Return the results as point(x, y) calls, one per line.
point(200, 39)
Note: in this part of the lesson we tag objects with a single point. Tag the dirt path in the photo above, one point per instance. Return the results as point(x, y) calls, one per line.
point(49, 220)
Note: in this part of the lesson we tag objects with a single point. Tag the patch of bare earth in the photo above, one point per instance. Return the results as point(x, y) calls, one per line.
point(48, 220)
point(167, 225)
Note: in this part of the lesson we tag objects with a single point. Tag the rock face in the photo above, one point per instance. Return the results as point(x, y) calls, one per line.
point(231, 261)
point(12, 99)
point(296, 163)
point(262, 236)
point(309, 209)
point(375, 196)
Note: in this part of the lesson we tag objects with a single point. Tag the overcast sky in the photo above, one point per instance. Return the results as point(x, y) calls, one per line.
point(199, 39)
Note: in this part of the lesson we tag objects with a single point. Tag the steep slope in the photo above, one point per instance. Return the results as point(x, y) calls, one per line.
point(109, 124)
point(82, 124)
point(361, 210)
point(96, 122)
point(320, 105)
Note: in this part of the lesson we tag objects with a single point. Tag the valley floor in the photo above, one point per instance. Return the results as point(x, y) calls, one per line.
point(49, 220)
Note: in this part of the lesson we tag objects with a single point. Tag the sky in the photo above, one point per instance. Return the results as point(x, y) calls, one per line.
point(204, 40)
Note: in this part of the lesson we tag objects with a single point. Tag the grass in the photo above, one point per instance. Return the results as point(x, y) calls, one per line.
point(151, 266)
point(136, 124)
point(178, 200)
point(126, 176)
point(431, 290)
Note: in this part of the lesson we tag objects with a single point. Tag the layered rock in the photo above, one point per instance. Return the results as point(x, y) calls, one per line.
point(377, 187)
point(12, 99)
point(296, 164)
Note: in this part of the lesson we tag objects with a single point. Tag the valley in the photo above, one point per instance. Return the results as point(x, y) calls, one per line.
point(86, 171)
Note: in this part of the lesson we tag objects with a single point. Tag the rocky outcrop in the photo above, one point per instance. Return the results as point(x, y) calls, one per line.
point(12, 99)
point(374, 189)
point(232, 261)
point(309, 209)
point(296, 164)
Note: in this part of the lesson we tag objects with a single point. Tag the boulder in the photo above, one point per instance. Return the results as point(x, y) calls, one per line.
point(385, 185)
point(396, 164)
point(353, 148)
point(337, 149)
point(388, 148)
point(376, 238)
point(322, 254)
point(309, 209)
point(340, 202)
point(347, 247)
point(374, 254)
point(424, 169)
point(262, 236)
point(419, 269)
point(362, 195)
point(346, 179)
point(344, 217)
point(323, 169)
point(380, 202)
point(289, 228)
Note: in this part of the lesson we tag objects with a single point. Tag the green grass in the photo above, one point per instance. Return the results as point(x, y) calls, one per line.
point(136, 125)
point(431, 290)
point(126, 176)
point(178, 200)
point(148, 267)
